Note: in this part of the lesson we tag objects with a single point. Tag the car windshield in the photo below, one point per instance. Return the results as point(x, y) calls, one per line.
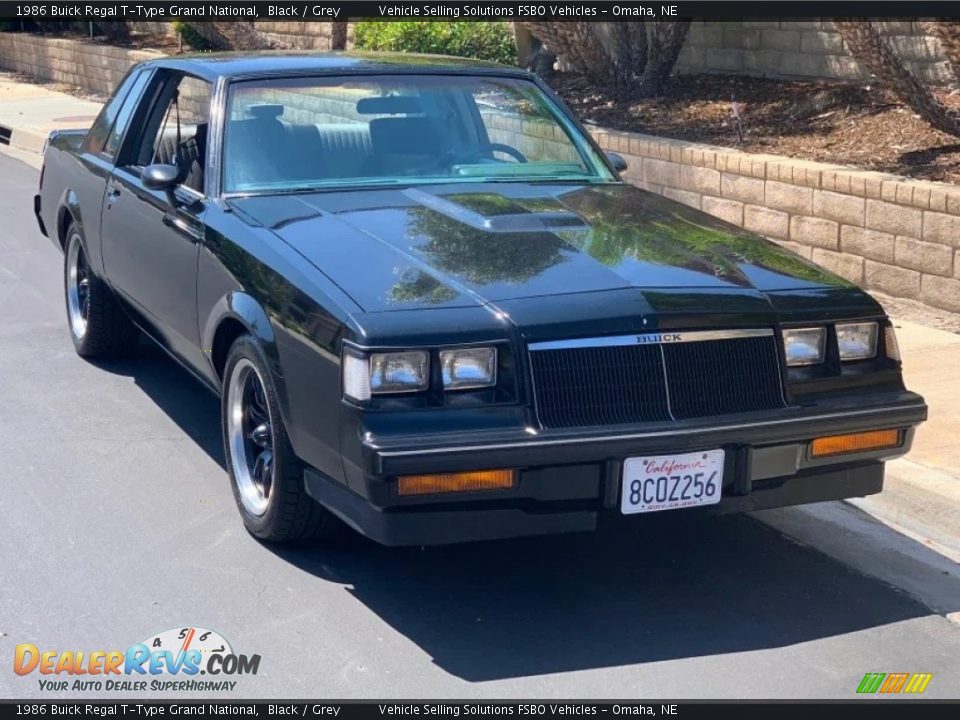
point(291, 134)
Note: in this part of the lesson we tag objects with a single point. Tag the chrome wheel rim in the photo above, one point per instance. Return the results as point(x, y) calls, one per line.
point(78, 288)
point(250, 434)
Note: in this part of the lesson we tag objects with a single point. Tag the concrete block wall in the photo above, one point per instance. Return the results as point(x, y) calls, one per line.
point(300, 35)
point(883, 232)
point(533, 137)
point(802, 48)
point(94, 67)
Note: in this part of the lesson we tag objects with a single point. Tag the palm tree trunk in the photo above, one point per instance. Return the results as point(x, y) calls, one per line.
point(629, 49)
point(947, 31)
point(578, 44)
point(338, 35)
point(876, 56)
point(666, 42)
point(635, 54)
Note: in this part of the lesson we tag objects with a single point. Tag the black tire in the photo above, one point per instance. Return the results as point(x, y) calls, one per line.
point(99, 327)
point(290, 514)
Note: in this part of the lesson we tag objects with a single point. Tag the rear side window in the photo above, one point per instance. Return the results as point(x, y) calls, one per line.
point(126, 113)
point(100, 130)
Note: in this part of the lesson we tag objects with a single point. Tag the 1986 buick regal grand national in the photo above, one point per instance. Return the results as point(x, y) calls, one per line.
point(433, 310)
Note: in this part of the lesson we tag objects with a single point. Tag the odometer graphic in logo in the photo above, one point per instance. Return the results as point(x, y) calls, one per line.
point(197, 644)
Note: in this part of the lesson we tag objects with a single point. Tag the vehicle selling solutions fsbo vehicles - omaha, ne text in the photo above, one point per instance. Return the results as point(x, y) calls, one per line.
point(433, 310)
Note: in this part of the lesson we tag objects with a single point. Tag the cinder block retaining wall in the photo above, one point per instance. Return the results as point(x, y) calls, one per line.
point(91, 66)
point(98, 68)
point(302, 35)
point(803, 48)
point(883, 232)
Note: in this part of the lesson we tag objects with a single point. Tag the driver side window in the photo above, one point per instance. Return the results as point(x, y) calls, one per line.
point(177, 129)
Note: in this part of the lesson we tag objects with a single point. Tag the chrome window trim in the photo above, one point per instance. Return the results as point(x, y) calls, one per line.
point(197, 195)
point(658, 338)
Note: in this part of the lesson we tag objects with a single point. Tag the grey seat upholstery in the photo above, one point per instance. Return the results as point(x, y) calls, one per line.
point(256, 149)
point(404, 144)
point(345, 149)
point(190, 158)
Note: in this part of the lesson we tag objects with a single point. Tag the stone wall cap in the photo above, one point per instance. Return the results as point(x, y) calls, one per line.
point(909, 192)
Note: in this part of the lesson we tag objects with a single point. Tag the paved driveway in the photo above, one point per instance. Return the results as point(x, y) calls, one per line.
point(117, 522)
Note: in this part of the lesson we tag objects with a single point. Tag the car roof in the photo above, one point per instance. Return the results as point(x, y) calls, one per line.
point(212, 66)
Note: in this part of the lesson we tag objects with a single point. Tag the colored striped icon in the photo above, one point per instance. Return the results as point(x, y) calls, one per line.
point(890, 683)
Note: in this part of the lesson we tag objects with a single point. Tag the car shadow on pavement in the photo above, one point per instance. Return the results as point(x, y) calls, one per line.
point(639, 590)
point(177, 393)
point(660, 588)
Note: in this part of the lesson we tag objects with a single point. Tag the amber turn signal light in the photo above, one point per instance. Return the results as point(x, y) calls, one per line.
point(855, 442)
point(456, 482)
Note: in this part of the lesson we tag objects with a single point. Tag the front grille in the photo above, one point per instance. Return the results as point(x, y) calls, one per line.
point(611, 381)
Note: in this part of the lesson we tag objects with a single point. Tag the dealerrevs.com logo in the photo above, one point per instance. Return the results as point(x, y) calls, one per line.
point(173, 660)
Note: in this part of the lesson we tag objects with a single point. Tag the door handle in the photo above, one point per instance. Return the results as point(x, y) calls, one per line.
point(113, 192)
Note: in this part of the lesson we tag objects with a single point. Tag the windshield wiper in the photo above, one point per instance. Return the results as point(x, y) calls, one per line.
point(352, 185)
point(541, 179)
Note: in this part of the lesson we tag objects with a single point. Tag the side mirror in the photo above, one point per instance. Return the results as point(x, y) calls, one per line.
point(162, 177)
point(619, 164)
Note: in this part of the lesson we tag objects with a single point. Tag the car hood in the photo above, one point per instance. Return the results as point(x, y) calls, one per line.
point(461, 245)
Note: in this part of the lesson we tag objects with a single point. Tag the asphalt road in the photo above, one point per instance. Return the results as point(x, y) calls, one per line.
point(117, 522)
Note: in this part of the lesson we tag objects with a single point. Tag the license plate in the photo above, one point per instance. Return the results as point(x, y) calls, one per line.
point(667, 482)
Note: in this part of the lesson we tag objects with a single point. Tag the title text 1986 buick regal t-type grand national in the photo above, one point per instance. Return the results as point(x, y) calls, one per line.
point(433, 310)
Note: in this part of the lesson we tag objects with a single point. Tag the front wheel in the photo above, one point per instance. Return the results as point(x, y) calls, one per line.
point(99, 327)
point(266, 476)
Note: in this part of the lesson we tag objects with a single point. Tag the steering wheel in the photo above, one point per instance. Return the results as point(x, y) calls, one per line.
point(480, 152)
point(447, 159)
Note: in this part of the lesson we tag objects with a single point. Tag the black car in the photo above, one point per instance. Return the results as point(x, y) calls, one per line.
point(433, 310)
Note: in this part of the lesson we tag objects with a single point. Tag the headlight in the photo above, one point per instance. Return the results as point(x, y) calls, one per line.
point(468, 368)
point(383, 373)
point(399, 372)
point(857, 341)
point(804, 346)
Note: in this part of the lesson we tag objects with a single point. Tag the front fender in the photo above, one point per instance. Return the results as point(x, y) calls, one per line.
point(238, 306)
point(236, 313)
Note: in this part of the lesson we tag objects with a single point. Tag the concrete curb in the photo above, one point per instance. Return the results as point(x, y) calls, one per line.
point(920, 502)
point(22, 139)
point(872, 547)
point(907, 536)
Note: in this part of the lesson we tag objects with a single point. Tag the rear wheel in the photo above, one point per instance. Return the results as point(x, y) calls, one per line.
point(266, 476)
point(99, 327)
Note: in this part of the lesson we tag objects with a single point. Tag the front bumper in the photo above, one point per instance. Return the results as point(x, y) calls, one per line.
point(567, 478)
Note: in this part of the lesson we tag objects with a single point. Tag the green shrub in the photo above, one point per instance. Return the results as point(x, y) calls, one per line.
point(190, 36)
point(478, 40)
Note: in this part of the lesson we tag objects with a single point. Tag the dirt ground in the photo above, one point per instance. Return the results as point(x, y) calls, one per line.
point(846, 124)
